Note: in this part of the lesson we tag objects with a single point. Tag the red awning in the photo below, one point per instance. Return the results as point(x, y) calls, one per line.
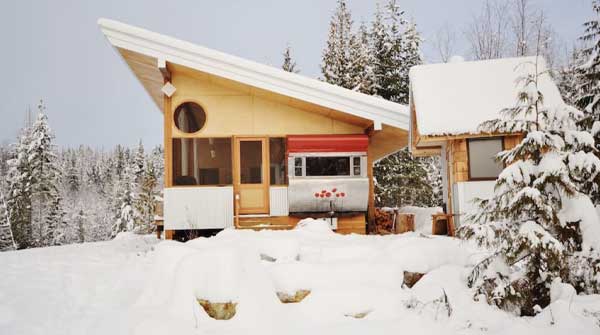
point(327, 143)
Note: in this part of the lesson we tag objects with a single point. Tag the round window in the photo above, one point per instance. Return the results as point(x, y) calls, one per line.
point(189, 117)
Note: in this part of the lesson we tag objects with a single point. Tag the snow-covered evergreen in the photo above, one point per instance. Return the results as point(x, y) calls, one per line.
point(529, 221)
point(289, 64)
point(336, 65)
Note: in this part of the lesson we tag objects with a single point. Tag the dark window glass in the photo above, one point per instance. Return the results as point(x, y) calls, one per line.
point(298, 167)
point(356, 166)
point(202, 161)
point(251, 162)
point(327, 166)
point(482, 163)
point(277, 161)
point(189, 117)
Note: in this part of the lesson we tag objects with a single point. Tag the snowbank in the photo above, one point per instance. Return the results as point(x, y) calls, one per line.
point(132, 285)
point(422, 217)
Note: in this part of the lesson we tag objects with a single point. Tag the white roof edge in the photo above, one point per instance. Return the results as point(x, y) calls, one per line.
point(254, 74)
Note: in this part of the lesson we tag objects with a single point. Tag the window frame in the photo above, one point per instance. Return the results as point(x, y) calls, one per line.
point(172, 163)
point(351, 155)
point(174, 122)
point(495, 138)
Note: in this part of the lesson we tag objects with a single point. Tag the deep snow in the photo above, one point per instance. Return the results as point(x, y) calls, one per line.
point(136, 285)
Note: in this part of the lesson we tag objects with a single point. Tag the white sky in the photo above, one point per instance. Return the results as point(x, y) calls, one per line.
point(55, 51)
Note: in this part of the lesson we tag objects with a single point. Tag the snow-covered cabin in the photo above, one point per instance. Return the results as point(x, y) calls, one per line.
point(449, 101)
point(249, 145)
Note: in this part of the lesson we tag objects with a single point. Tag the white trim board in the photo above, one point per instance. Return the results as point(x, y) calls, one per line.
point(220, 64)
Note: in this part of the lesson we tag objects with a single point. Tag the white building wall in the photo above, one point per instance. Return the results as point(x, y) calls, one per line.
point(465, 192)
point(198, 207)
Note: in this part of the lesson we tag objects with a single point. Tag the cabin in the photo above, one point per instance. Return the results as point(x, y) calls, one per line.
point(448, 102)
point(252, 146)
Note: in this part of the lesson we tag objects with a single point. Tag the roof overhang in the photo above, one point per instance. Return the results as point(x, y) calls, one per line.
point(149, 50)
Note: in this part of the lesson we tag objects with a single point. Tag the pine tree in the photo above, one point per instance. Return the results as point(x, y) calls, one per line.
point(336, 61)
point(402, 180)
point(289, 64)
point(522, 221)
point(18, 200)
point(7, 241)
point(139, 162)
point(80, 222)
point(45, 177)
point(589, 91)
point(361, 70)
point(72, 176)
point(55, 226)
point(145, 200)
point(124, 216)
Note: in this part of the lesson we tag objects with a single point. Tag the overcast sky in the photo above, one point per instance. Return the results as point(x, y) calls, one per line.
point(55, 51)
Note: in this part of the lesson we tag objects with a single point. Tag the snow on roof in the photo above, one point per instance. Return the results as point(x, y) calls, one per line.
point(455, 98)
point(254, 74)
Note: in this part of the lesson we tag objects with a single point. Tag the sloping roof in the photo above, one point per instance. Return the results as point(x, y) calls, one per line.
point(148, 47)
point(455, 98)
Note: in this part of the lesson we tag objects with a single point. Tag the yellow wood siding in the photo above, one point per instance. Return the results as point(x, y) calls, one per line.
point(235, 109)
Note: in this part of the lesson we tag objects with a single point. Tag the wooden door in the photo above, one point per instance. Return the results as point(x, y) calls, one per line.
point(251, 174)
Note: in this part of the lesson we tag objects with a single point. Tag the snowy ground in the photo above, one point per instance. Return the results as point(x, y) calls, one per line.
point(135, 285)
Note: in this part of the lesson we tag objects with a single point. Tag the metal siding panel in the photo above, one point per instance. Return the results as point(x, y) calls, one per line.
point(278, 197)
point(198, 208)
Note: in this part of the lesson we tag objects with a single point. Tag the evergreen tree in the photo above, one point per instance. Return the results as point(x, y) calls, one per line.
point(139, 162)
point(402, 180)
point(522, 221)
point(589, 90)
point(80, 222)
point(361, 70)
point(124, 216)
point(18, 200)
point(7, 241)
point(569, 78)
point(45, 177)
point(55, 226)
point(289, 64)
point(145, 200)
point(72, 176)
point(336, 65)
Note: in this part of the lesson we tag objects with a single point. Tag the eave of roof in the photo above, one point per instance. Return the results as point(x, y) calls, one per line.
point(172, 50)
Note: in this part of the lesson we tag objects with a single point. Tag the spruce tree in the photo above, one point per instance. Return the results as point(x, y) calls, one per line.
point(139, 162)
point(402, 180)
point(145, 201)
point(123, 205)
point(531, 237)
point(589, 91)
point(45, 177)
point(80, 222)
point(7, 241)
point(72, 175)
point(361, 69)
point(289, 64)
point(18, 199)
point(336, 65)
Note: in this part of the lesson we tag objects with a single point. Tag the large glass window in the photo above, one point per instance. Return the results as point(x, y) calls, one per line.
point(482, 153)
point(202, 161)
point(251, 162)
point(327, 166)
point(189, 117)
point(277, 161)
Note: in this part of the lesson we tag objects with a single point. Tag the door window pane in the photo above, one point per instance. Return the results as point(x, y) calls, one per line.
point(202, 161)
point(251, 162)
point(482, 163)
point(327, 166)
point(277, 161)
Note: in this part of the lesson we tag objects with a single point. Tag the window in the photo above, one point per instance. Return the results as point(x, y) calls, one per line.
point(356, 166)
point(277, 161)
point(202, 161)
point(298, 166)
point(251, 162)
point(189, 117)
point(327, 166)
point(482, 153)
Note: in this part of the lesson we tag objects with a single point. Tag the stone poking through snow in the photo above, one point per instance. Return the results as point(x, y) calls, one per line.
point(358, 315)
point(295, 298)
point(411, 278)
point(218, 310)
